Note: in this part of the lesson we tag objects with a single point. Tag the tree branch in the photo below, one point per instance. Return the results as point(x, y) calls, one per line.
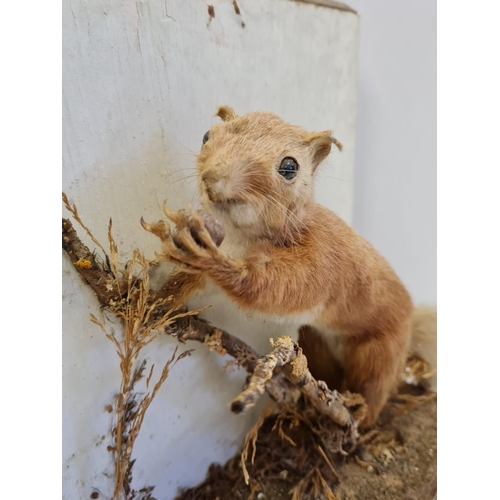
point(288, 355)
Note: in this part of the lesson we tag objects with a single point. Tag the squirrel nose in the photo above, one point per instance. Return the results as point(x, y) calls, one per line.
point(208, 177)
point(212, 184)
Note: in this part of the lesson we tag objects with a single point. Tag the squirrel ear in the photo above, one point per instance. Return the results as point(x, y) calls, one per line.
point(320, 144)
point(226, 113)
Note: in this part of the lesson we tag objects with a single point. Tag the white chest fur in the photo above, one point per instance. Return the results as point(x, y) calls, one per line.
point(235, 244)
point(293, 320)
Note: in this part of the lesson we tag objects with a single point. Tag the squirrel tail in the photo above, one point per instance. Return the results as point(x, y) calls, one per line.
point(424, 338)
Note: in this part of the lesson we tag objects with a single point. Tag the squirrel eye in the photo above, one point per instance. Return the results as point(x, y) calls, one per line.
point(288, 168)
point(205, 137)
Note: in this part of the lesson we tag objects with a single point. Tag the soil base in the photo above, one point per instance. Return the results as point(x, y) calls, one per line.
point(395, 461)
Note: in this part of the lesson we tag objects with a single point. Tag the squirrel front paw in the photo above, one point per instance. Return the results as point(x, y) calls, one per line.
point(193, 247)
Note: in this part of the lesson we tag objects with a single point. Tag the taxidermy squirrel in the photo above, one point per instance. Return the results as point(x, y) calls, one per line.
point(287, 257)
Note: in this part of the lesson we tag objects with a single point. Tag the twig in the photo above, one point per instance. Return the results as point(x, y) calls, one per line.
point(283, 352)
point(288, 354)
point(90, 268)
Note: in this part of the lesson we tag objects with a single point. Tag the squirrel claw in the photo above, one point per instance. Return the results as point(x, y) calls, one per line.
point(203, 235)
point(178, 217)
point(190, 246)
point(145, 225)
point(188, 243)
point(160, 229)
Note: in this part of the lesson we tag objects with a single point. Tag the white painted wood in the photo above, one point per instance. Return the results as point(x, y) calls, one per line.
point(141, 82)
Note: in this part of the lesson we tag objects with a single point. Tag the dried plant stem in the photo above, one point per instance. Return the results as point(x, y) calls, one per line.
point(119, 470)
point(143, 315)
point(328, 462)
point(251, 440)
point(74, 212)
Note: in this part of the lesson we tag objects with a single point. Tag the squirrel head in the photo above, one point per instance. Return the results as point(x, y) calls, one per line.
point(256, 171)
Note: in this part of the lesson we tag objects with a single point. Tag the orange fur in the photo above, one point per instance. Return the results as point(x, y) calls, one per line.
point(290, 256)
point(320, 360)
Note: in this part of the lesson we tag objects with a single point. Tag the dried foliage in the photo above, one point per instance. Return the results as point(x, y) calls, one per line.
point(250, 440)
point(143, 317)
point(312, 438)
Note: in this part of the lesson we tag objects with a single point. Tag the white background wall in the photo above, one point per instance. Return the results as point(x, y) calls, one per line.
point(395, 173)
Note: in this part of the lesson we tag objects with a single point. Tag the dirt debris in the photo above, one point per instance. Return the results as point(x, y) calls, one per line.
point(397, 460)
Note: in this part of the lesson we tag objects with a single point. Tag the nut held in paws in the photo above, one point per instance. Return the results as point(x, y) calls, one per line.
point(212, 225)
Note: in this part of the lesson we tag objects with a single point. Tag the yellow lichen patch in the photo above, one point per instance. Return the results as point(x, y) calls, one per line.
point(283, 342)
point(299, 366)
point(83, 263)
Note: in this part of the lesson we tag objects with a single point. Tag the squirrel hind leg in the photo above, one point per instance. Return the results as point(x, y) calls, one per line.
point(373, 367)
point(320, 360)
